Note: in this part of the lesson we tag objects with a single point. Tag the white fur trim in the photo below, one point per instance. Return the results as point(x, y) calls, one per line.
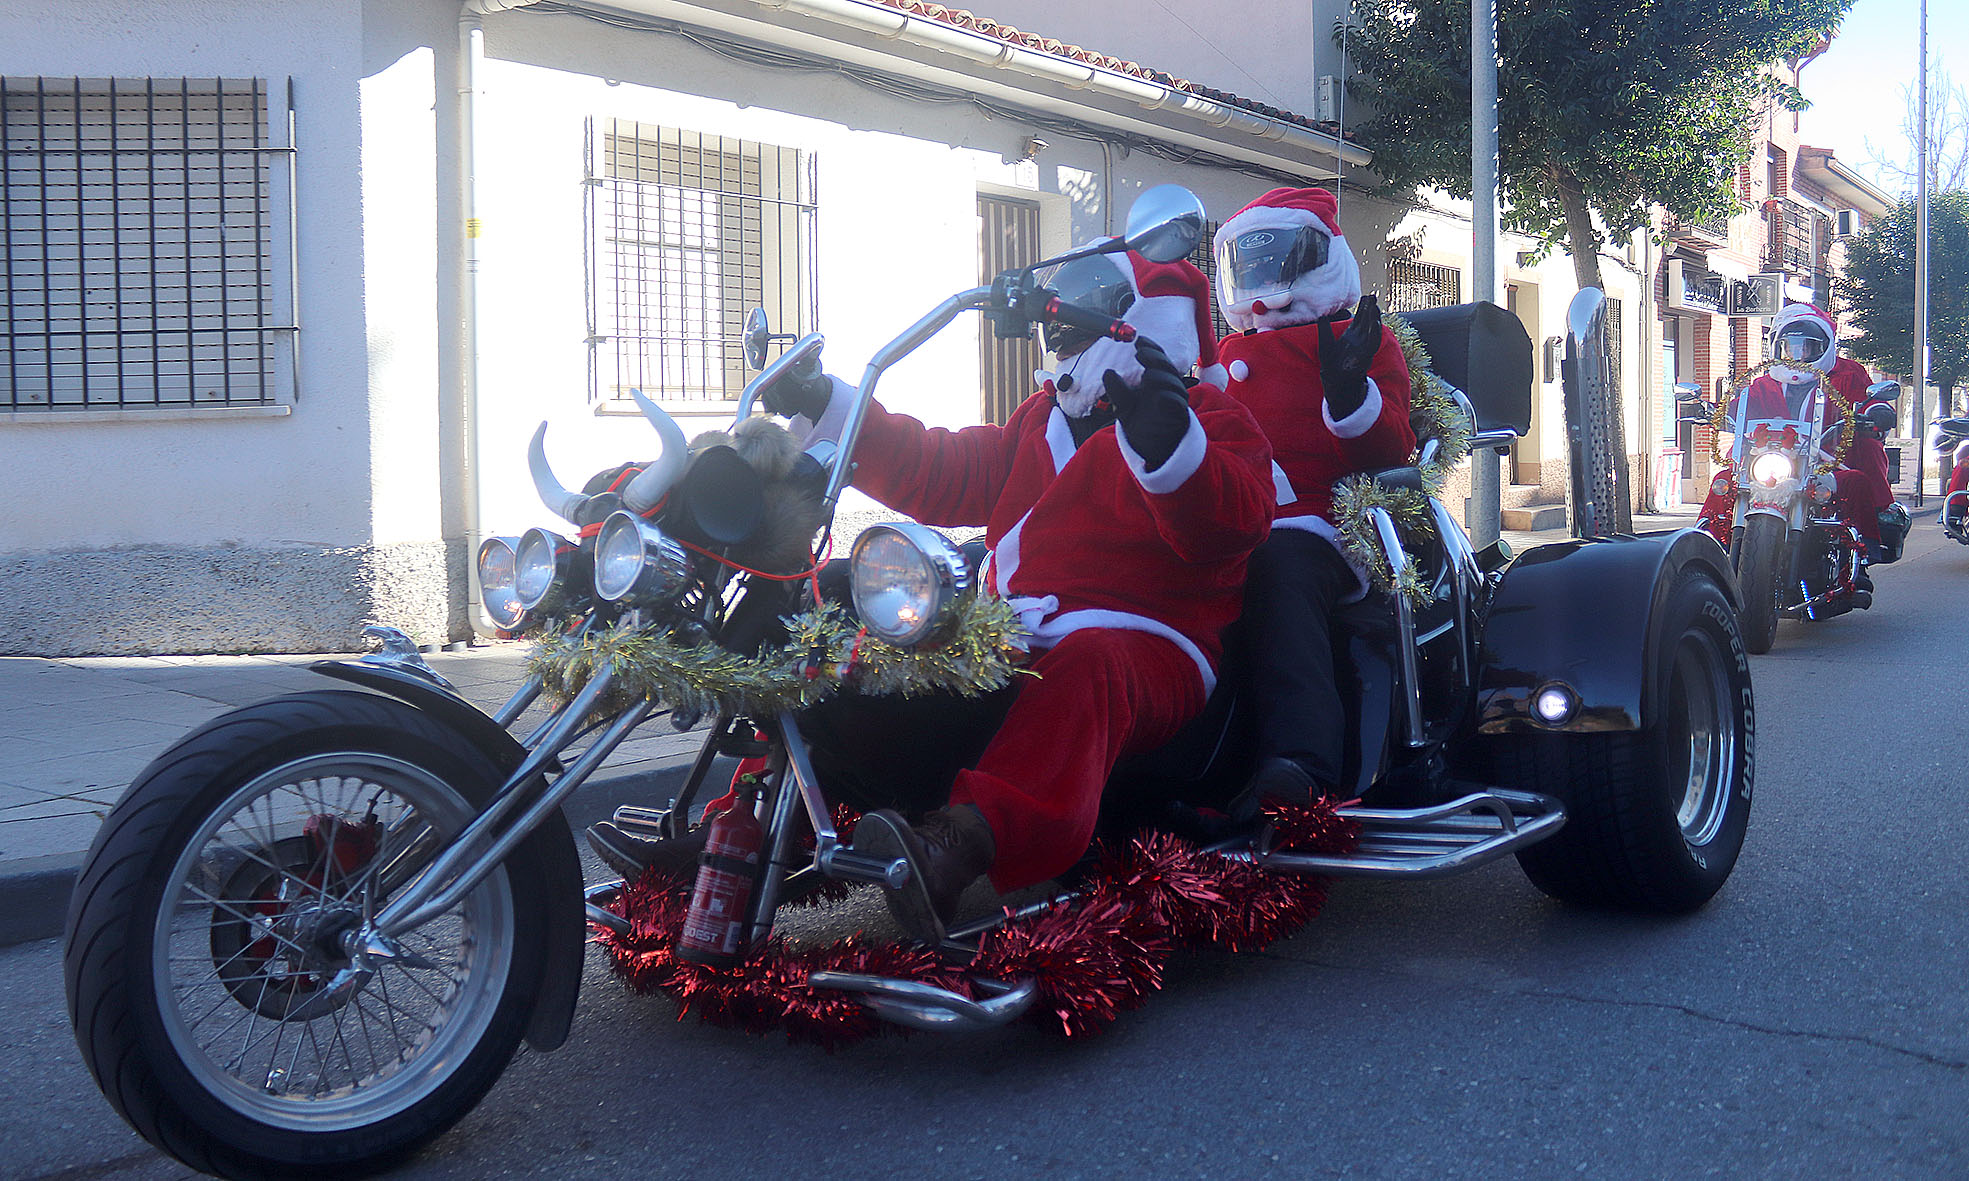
point(1215, 375)
point(1089, 368)
point(1282, 486)
point(1321, 527)
point(1331, 288)
point(1059, 439)
point(1356, 424)
point(1005, 557)
point(1170, 321)
point(833, 420)
point(1178, 468)
point(1239, 371)
point(1051, 631)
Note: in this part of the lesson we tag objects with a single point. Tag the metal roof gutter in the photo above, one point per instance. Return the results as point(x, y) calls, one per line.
point(876, 36)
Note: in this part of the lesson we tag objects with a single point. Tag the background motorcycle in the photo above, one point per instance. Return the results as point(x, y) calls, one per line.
point(1770, 504)
point(313, 932)
point(1945, 438)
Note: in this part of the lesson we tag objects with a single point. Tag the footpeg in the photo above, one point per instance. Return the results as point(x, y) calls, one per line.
point(651, 823)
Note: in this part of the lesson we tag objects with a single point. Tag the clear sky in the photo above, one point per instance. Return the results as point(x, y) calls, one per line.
point(1859, 87)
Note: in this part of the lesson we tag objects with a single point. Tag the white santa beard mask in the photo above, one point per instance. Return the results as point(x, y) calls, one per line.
point(1079, 382)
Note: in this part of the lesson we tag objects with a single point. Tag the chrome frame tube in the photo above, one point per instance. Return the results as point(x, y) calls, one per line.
point(516, 705)
point(780, 859)
point(831, 857)
point(886, 356)
point(1391, 545)
point(925, 1006)
point(1427, 842)
point(462, 853)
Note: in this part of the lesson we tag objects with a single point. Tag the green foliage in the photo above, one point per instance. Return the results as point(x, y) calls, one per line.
point(1877, 289)
point(1612, 105)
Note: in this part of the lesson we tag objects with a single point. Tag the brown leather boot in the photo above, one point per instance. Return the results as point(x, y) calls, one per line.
point(947, 850)
point(633, 856)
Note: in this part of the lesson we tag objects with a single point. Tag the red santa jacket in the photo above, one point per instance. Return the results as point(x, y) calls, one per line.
point(1863, 488)
point(1276, 374)
point(1086, 537)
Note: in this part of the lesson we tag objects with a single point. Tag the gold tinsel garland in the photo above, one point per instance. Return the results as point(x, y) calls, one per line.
point(1434, 414)
point(823, 653)
point(1848, 411)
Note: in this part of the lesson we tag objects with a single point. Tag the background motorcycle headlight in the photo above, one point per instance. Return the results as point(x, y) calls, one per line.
point(539, 564)
point(1770, 468)
point(633, 559)
point(903, 577)
point(497, 590)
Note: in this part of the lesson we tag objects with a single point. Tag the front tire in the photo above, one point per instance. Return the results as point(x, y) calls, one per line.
point(1655, 818)
point(1763, 573)
point(206, 982)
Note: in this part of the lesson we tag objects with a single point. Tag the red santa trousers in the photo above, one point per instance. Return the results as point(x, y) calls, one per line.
point(1100, 694)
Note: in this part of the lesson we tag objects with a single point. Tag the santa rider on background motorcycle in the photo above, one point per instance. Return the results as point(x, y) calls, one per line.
point(1120, 504)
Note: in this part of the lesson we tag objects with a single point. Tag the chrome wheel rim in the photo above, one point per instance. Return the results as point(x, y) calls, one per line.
point(1699, 700)
point(257, 999)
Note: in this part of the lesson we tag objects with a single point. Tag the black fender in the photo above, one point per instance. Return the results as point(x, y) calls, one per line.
point(1584, 613)
point(550, 847)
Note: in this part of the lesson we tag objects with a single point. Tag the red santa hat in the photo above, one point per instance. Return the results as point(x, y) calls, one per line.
point(1172, 308)
point(1331, 288)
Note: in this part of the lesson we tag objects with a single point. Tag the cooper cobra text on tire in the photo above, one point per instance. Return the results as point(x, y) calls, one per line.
point(207, 982)
point(1654, 818)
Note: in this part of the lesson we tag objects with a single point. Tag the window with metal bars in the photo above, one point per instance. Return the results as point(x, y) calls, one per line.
point(688, 232)
point(147, 233)
point(1413, 286)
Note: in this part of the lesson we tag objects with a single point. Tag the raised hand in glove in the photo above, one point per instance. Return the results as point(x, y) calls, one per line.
point(1155, 413)
point(1344, 359)
point(802, 390)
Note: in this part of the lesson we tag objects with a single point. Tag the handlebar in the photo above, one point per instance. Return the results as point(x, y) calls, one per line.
point(1074, 316)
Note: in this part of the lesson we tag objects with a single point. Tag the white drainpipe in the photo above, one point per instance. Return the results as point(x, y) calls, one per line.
point(470, 47)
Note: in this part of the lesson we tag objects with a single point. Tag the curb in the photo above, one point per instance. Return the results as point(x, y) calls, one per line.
point(34, 896)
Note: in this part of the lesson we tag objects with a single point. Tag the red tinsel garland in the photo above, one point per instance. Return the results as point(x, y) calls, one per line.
point(1092, 956)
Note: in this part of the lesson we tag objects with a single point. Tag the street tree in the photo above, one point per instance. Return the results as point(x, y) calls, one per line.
point(1877, 291)
point(1948, 139)
point(1605, 107)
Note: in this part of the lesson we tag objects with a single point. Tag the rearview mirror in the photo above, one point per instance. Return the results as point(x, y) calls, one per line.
point(1165, 223)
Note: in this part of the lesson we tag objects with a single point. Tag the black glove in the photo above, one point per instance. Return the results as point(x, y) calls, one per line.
point(804, 389)
point(1156, 413)
point(1344, 361)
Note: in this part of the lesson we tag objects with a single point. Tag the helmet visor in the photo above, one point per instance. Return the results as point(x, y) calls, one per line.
point(1801, 343)
point(1095, 283)
point(1268, 262)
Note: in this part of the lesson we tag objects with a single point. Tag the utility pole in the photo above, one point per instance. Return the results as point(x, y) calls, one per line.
point(1921, 266)
point(1485, 468)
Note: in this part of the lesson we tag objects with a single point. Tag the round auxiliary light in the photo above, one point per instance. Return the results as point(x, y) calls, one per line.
point(1721, 485)
point(635, 561)
point(1769, 468)
point(903, 576)
point(539, 566)
point(1555, 704)
point(498, 568)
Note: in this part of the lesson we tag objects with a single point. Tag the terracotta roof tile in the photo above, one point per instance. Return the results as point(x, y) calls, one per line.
point(963, 19)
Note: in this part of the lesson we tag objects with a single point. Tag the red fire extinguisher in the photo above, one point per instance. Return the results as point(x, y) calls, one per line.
point(714, 928)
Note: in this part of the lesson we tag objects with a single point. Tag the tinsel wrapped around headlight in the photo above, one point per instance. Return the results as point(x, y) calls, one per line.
point(1770, 468)
point(635, 560)
point(498, 576)
point(540, 566)
point(903, 576)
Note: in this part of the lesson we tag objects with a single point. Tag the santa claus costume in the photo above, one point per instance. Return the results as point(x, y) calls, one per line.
point(1808, 336)
point(1331, 391)
point(1121, 537)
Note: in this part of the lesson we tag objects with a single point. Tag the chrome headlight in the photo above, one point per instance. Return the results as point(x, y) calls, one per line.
point(540, 564)
point(498, 588)
point(1770, 468)
point(633, 559)
point(904, 576)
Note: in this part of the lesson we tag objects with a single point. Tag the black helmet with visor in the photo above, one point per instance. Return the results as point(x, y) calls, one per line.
point(1097, 283)
point(1265, 263)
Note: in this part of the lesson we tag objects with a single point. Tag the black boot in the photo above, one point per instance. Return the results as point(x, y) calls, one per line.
point(1282, 779)
point(633, 856)
point(947, 850)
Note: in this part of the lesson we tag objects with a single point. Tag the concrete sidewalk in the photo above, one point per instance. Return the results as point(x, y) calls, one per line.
point(74, 732)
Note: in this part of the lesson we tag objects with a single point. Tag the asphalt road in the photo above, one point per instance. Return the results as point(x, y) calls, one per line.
point(1809, 1021)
